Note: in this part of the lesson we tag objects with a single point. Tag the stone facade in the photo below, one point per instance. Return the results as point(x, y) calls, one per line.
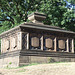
point(9, 62)
point(11, 42)
point(25, 40)
point(36, 42)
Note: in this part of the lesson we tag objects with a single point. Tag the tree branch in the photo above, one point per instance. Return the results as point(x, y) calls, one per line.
point(10, 17)
point(7, 20)
point(18, 10)
point(1, 25)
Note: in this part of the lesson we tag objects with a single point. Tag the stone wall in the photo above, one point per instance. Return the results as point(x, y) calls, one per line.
point(33, 56)
point(9, 62)
point(11, 42)
point(9, 59)
point(25, 60)
point(25, 57)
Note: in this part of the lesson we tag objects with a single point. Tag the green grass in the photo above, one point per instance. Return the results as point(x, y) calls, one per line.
point(36, 64)
point(22, 66)
point(23, 70)
point(33, 64)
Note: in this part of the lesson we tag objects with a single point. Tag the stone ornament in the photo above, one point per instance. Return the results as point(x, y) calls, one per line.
point(7, 44)
point(14, 40)
point(61, 44)
point(37, 17)
point(49, 43)
point(35, 42)
point(2, 45)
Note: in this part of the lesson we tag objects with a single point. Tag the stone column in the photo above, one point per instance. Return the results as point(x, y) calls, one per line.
point(19, 41)
point(42, 43)
point(55, 44)
point(27, 40)
point(1, 45)
point(67, 46)
point(72, 45)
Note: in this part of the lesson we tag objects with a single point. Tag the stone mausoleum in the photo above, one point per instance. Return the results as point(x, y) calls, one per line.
point(35, 42)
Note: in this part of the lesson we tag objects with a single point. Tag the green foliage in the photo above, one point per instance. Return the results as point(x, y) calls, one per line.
point(73, 1)
point(10, 63)
point(14, 12)
point(58, 15)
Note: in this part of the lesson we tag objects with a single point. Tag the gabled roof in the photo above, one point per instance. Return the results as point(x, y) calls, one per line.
point(38, 26)
point(45, 27)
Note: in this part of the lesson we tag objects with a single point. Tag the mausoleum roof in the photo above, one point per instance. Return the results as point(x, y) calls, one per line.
point(37, 27)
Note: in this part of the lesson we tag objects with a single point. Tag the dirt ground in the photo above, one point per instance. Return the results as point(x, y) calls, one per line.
point(42, 69)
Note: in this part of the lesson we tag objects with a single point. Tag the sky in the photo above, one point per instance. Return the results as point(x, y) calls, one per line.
point(69, 5)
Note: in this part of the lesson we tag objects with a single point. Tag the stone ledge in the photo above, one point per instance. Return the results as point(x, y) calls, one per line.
point(10, 54)
point(37, 53)
point(46, 54)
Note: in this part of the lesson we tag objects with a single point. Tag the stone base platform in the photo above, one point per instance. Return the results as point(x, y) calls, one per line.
point(25, 57)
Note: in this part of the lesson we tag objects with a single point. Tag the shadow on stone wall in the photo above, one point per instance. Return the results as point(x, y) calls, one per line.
point(1, 73)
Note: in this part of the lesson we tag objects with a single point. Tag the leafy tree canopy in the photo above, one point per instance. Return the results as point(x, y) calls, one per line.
point(14, 12)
